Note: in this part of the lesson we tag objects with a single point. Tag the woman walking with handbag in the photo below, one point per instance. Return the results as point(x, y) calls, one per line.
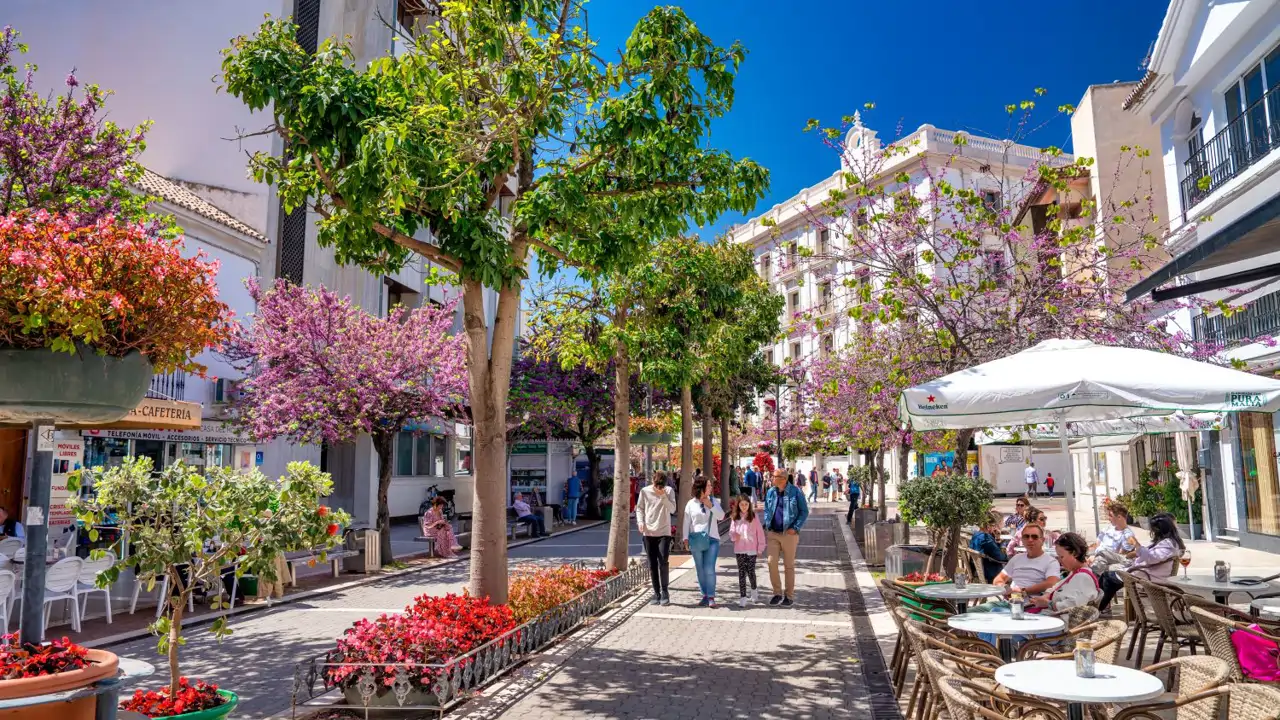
point(702, 532)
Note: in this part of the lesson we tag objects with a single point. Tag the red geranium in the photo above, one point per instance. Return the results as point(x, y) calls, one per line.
point(190, 698)
point(24, 660)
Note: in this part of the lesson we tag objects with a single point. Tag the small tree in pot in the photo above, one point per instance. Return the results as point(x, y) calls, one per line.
point(945, 504)
point(187, 526)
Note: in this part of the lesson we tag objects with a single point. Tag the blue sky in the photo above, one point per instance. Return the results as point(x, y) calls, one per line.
point(952, 64)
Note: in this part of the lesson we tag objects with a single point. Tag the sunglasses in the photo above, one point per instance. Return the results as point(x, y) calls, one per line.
point(1031, 537)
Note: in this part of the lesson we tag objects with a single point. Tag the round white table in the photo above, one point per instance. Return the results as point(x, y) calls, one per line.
point(1004, 627)
point(1057, 680)
point(1265, 607)
point(961, 596)
point(1221, 590)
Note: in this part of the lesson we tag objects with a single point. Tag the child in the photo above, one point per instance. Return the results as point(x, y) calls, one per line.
point(748, 542)
point(1048, 483)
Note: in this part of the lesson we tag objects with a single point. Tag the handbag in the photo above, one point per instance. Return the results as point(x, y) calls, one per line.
point(701, 541)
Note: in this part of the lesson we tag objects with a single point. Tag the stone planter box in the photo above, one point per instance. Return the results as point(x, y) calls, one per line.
point(70, 389)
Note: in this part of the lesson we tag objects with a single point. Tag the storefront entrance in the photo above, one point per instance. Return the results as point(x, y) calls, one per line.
point(13, 462)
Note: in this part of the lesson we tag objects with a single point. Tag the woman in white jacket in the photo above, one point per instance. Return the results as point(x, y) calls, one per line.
point(702, 518)
point(654, 507)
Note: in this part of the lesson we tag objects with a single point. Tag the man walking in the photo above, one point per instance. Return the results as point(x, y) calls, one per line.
point(572, 493)
point(813, 485)
point(785, 512)
point(751, 480)
point(855, 493)
point(1032, 478)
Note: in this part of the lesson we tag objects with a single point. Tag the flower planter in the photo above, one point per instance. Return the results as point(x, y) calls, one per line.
point(1184, 529)
point(388, 700)
point(70, 388)
point(104, 665)
point(213, 713)
point(651, 438)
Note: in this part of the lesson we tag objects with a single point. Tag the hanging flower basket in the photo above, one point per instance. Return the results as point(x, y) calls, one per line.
point(648, 438)
point(70, 388)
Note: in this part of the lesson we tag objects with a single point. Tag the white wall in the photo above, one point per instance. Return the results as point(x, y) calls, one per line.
point(1009, 478)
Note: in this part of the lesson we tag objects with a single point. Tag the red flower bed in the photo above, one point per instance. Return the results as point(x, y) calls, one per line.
point(190, 698)
point(18, 660)
point(429, 632)
point(533, 592)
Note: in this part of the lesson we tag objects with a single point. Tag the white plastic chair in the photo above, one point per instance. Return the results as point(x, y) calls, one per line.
point(162, 597)
point(8, 581)
point(60, 584)
point(9, 547)
point(87, 583)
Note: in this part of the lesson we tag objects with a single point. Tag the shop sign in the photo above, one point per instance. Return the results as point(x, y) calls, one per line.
point(68, 455)
point(532, 448)
point(211, 432)
point(1012, 454)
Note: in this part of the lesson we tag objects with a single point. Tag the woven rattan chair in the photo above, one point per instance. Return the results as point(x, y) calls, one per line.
point(1216, 631)
point(1193, 696)
point(1079, 616)
point(1139, 615)
point(1105, 635)
point(966, 700)
point(1176, 631)
point(1252, 702)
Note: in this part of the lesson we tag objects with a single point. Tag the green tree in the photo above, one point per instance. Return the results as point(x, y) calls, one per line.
point(499, 132)
point(945, 504)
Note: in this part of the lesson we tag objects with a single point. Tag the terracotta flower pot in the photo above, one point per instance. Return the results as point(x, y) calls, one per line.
point(103, 665)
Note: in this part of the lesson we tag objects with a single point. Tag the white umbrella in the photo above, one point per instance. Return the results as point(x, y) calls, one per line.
point(1063, 381)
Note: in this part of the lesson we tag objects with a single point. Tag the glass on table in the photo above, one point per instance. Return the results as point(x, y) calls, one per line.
point(1185, 560)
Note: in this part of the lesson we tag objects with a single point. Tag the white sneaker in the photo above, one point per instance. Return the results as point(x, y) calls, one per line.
point(742, 602)
point(755, 595)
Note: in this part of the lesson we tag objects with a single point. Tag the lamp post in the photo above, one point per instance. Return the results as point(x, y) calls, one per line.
point(777, 417)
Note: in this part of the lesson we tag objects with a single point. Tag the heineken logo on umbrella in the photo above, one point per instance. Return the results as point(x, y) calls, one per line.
point(1244, 400)
point(932, 404)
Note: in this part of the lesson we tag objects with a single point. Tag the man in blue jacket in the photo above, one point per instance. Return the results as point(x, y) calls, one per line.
point(751, 480)
point(572, 494)
point(785, 512)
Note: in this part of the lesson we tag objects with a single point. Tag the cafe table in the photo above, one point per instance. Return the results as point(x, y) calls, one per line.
point(1005, 627)
point(1057, 680)
point(1205, 582)
point(960, 596)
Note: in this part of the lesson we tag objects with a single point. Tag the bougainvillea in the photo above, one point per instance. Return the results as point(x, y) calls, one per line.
point(319, 369)
point(189, 698)
point(25, 660)
point(112, 286)
point(534, 591)
point(429, 631)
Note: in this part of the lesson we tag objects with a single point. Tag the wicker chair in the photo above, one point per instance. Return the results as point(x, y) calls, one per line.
point(1216, 631)
point(1138, 613)
point(1177, 631)
point(1079, 616)
point(1252, 702)
point(966, 700)
point(923, 636)
point(1106, 637)
point(1197, 679)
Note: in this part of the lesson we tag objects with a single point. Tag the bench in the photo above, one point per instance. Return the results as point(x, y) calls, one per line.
point(515, 525)
point(334, 558)
point(430, 541)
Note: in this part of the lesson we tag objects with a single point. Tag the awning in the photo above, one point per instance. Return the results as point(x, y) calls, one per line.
point(1104, 444)
point(1255, 234)
point(153, 414)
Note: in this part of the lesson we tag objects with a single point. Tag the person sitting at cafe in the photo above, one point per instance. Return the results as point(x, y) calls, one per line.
point(525, 514)
point(1156, 561)
point(986, 542)
point(1016, 519)
point(1079, 587)
point(1029, 573)
point(10, 527)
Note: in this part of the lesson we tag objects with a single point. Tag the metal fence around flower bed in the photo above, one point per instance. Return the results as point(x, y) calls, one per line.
point(439, 687)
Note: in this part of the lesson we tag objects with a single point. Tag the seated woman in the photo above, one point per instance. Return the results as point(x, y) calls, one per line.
point(439, 529)
point(1155, 561)
point(987, 543)
point(1115, 542)
point(1079, 587)
point(1029, 515)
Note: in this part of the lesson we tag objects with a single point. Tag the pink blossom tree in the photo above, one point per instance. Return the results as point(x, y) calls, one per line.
point(319, 369)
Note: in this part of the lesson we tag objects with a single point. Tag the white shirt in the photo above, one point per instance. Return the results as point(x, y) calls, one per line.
point(698, 519)
point(1026, 571)
point(1032, 477)
point(1116, 540)
point(1078, 588)
point(653, 513)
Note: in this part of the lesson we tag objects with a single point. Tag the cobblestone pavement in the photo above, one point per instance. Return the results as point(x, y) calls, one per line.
point(257, 660)
point(683, 661)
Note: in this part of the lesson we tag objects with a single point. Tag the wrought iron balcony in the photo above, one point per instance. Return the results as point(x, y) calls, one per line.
point(172, 386)
point(1260, 318)
point(1241, 144)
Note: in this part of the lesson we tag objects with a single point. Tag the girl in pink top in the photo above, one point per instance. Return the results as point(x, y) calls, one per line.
point(748, 539)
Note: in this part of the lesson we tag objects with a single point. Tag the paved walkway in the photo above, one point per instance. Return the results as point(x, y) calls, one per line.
point(683, 661)
point(257, 660)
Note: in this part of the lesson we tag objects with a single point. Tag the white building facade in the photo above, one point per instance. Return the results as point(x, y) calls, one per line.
point(161, 60)
point(1213, 90)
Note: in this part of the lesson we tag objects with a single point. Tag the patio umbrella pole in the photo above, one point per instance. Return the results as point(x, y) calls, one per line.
point(1093, 485)
point(1071, 474)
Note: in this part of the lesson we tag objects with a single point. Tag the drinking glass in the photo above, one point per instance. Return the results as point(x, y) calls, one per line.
point(1186, 561)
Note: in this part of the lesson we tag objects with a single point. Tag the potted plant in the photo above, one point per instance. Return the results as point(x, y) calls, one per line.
point(187, 526)
point(650, 431)
point(82, 329)
point(945, 504)
point(372, 654)
point(61, 665)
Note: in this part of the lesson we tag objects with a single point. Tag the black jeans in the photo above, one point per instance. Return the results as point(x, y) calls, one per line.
point(535, 522)
point(853, 505)
point(1111, 584)
point(659, 551)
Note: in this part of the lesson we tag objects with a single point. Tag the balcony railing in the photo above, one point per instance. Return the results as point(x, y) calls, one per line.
point(1243, 142)
point(169, 387)
point(1260, 318)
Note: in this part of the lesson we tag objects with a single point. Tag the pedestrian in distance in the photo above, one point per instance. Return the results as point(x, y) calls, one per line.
point(1049, 483)
point(572, 495)
point(1032, 479)
point(813, 485)
point(855, 494)
point(752, 480)
point(785, 512)
point(653, 519)
point(702, 518)
point(747, 536)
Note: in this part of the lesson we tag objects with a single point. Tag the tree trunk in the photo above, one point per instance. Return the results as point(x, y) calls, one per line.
point(175, 635)
point(953, 551)
point(620, 526)
point(382, 445)
point(726, 492)
point(878, 469)
point(490, 382)
point(708, 439)
point(686, 454)
point(961, 465)
point(592, 510)
point(904, 459)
